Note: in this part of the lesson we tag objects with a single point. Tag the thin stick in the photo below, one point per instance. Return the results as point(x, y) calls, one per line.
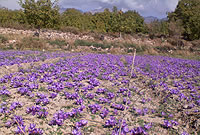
point(125, 111)
point(20, 127)
point(133, 64)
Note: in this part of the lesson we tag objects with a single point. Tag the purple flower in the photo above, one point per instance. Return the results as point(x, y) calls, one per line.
point(79, 101)
point(167, 124)
point(71, 96)
point(104, 113)
point(101, 91)
point(23, 90)
point(43, 101)
point(103, 100)
point(4, 110)
point(18, 119)
point(76, 131)
point(121, 90)
point(58, 118)
point(138, 130)
point(81, 123)
point(94, 108)
point(41, 95)
point(14, 105)
point(34, 131)
point(111, 122)
point(115, 112)
point(118, 106)
point(41, 112)
point(53, 95)
point(148, 126)
point(90, 95)
point(9, 123)
point(5, 92)
point(184, 133)
point(124, 101)
point(110, 95)
point(20, 129)
point(94, 82)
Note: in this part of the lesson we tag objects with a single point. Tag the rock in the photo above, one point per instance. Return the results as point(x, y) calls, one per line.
point(186, 106)
point(36, 34)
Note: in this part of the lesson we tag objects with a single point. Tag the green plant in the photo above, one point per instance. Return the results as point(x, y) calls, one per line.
point(42, 89)
point(140, 122)
point(31, 43)
point(41, 13)
point(57, 42)
point(129, 45)
point(93, 117)
point(95, 44)
point(3, 39)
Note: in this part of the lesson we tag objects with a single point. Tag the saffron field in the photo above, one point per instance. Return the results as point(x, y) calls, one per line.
point(82, 93)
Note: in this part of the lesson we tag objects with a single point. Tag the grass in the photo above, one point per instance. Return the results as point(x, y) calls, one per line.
point(94, 44)
point(58, 42)
point(3, 39)
point(30, 43)
point(131, 46)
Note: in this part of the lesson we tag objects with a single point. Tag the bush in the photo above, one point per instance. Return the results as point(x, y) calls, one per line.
point(73, 30)
point(139, 48)
point(58, 42)
point(86, 43)
point(164, 49)
point(128, 45)
point(31, 43)
point(3, 39)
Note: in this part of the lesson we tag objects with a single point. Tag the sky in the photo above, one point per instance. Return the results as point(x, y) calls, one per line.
point(156, 8)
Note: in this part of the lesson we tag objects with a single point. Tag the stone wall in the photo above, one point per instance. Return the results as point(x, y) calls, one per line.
point(49, 34)
point(52, 34)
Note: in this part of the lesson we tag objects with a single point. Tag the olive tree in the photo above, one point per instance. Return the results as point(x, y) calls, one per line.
point(41, 13)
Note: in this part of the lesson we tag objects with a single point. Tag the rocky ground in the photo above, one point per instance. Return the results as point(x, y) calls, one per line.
point(80, 93)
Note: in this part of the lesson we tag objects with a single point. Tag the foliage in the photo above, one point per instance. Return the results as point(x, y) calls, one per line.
point(132, 22)
point(12, 18)
point(41, 13)
point(187, 12)
point(94, 44)
point(30, 43)
point(74, 18)
point(158, 28)
point(57, 42)
point(3, 39)
point(45, 14)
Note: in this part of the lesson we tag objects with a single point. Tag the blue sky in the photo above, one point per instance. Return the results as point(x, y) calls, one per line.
point(157, 8)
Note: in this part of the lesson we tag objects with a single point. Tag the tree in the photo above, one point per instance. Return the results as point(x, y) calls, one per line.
point(72, 17)
point(102, 21)
point(114, 10)
point(132, 22)
point(11, 18)
point(41, 13)
point(159, 28)
point(187, 12)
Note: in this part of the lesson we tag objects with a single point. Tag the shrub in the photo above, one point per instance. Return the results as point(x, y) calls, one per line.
point(3, 39)
point(95, 44)
point(31, 43)
point(58, 42)
point(164, 49)
point(73, 30)
point(139, 48)
point(129, 45)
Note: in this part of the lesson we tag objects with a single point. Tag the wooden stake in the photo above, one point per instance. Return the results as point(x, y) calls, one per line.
point(125, 111)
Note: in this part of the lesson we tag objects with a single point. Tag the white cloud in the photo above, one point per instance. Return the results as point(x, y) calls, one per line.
point(11, 4)
point(144, 7)
point(157, 8)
